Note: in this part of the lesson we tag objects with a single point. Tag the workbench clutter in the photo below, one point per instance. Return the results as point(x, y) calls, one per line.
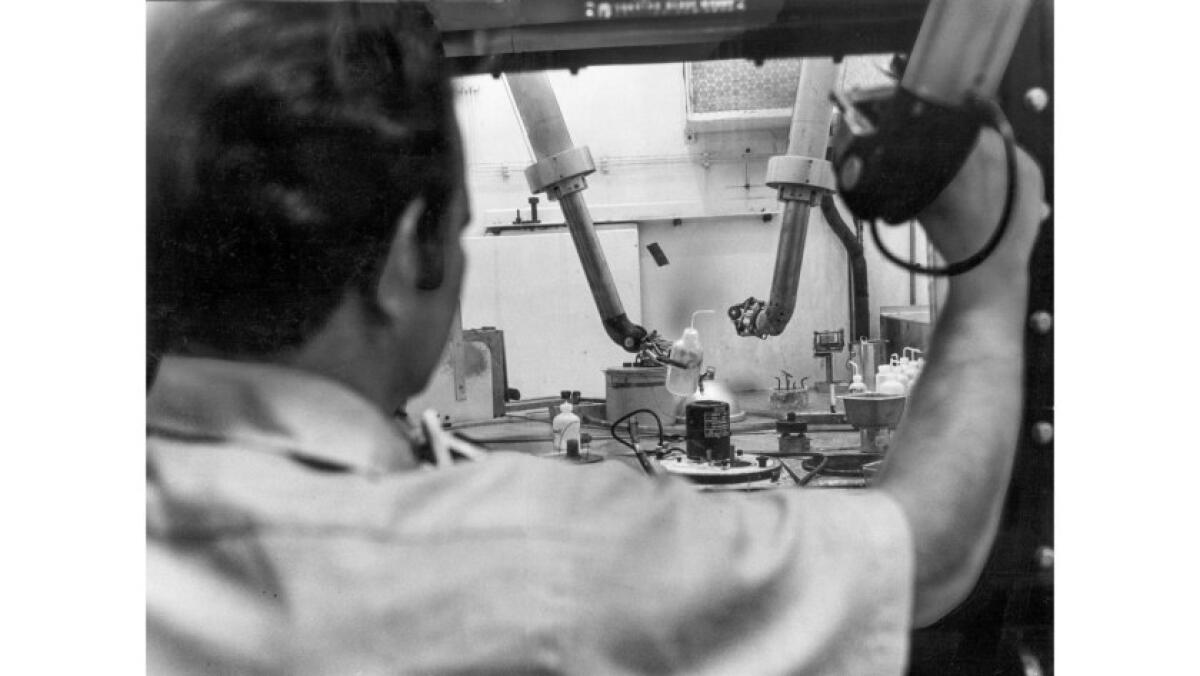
point(900, 375)
point(308, 361)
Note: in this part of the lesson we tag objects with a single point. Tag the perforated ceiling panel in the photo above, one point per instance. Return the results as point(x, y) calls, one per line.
point(738, 84)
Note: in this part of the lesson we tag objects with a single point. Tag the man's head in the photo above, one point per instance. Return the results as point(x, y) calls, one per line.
point(303, 165)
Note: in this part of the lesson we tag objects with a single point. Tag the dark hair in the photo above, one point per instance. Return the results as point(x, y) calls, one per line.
point(284, 140)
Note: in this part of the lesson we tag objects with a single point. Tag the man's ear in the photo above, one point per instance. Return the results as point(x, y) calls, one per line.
point(405, 265)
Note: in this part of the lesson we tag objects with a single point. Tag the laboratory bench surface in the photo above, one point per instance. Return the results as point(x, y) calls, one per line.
point(529, 432)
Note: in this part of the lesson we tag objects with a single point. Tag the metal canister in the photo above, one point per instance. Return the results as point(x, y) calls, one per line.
point(869, 354)
point(707, 431)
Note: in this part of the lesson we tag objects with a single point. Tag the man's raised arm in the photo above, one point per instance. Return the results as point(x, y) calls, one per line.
point(951, 459)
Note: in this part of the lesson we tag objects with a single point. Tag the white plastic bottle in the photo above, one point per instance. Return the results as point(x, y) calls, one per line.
point(899, 371)
point(565, 426)
point(890, 384)
point(881, 373)
point(857, 386)
point(918, 368)
point(681, 380)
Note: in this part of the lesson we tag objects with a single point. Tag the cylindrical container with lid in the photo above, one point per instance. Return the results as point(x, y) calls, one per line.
point(869, 354)
point(707, 431)
point(632, 387)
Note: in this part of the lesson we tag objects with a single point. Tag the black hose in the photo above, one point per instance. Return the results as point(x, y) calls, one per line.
point(641, 455)
point(802, 480)
point(860, 320)
point(613, 428)
point(821, 462)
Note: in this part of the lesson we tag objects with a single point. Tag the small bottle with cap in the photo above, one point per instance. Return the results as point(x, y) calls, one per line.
point(881, 373)
point(913, 368)
point(857, 386)
point(565, 427)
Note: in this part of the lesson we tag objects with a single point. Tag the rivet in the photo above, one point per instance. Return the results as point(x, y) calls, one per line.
point(1036, 99)
point(1044, 556)
point(1042, 432)
point(1041, 322)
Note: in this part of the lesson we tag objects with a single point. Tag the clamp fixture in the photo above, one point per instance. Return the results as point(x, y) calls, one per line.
point(800, 179)
point(562, 173)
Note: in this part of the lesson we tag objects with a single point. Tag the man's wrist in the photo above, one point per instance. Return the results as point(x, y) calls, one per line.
point(998, 288)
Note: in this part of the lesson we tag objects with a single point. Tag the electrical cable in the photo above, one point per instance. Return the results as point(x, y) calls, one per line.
point(783, 454)
point(798, 454)
point(512, 440)
point(641, 455)
point(662, 436)
point(812, 474)
point(824, 460)
point(995, 116)
point(790, 472)
point(613, 428)
point(503, 440)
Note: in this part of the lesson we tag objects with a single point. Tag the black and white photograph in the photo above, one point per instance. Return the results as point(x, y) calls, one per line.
point(639, 337)
point(719, 337)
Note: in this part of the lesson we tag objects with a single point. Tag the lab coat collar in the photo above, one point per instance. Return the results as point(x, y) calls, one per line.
point(274, 408)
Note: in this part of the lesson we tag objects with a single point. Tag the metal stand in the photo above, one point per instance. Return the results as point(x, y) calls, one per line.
point(825, 345)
